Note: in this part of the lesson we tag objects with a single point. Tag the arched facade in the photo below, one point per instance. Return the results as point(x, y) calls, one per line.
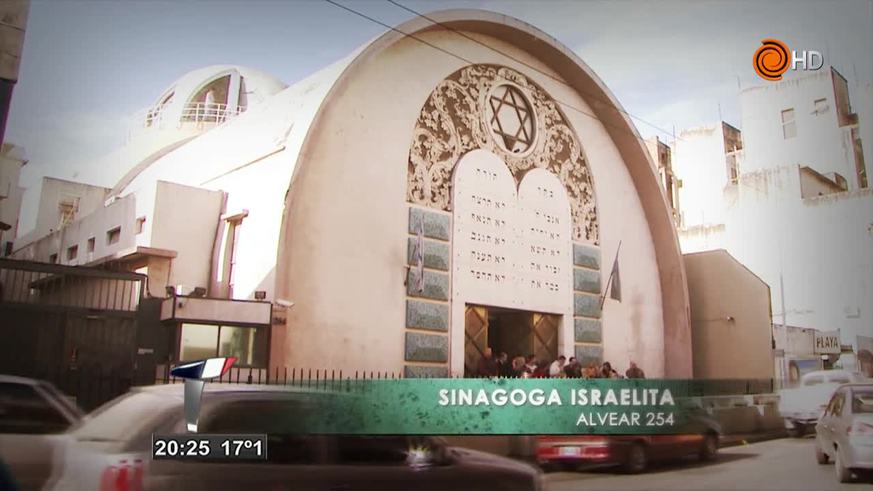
point(372, 185)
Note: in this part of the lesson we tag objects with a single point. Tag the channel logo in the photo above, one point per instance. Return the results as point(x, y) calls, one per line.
point(773, 58)
point(196, 374)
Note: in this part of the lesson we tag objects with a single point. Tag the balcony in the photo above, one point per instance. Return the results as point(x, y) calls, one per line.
point(197, 115)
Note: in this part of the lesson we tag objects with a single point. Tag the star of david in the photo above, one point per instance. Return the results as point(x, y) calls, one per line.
point(511, 119)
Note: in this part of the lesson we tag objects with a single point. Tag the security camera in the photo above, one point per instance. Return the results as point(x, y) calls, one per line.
point(284, 303)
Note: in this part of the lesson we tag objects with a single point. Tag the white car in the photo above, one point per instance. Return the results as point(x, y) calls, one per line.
point(33, 416)
point(844, 433)
point(802, 406)
point(112, 450)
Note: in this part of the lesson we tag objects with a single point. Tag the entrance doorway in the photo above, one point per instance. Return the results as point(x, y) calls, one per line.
point(514, 332)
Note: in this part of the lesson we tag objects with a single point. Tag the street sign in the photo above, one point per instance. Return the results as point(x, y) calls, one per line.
point(827, 342)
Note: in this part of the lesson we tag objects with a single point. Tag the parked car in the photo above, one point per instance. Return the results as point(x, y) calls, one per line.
point(33, 415)
point(632, 452)
point(844, 433)
point(802, 406)
point(112, 450)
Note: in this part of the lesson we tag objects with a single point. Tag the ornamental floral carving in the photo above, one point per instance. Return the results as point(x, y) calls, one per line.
point(457, 118)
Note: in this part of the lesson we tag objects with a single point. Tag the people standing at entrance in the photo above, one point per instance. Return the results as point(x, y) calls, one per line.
point(573, 369)
point(634, 371)
point(504, 368)
point(518, 366)
point(606, 371)
point(487, 365)
point(530, 366)
point(556, 369)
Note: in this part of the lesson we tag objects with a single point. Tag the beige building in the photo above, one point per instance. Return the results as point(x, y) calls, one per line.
point(791, 201)
point(11, 162)
point(401, 210)
point(731, 319)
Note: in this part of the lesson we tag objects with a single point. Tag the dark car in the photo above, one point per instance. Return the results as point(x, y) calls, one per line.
point(632, 452)
point(33, 417)
point(112, 450)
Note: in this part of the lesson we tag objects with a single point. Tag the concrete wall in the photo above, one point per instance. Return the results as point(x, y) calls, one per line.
point(820, 250)
point(699, 161)
point(119, 213)
point(185, 221)
point(11, 162)
point(344, 253)
point(730, 318)
point(820, 142)
point(52, 193)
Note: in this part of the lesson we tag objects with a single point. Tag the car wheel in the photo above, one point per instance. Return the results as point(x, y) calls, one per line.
point(709, 450)
point(820, 456)
point(843, 473)
point(636, 460)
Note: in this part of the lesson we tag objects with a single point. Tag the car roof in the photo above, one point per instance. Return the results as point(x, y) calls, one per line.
point(176, 389)
point(12, 379)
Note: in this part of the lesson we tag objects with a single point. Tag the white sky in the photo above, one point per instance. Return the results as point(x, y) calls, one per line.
point(88, 65)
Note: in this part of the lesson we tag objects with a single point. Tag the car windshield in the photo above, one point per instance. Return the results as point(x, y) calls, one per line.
point(122, 417)
point(862, 401)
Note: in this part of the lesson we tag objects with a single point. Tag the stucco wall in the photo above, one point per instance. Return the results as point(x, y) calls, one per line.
point(344, 253)
point(184, 220)
point(820, 142)
point(730, 318)
point(119, 213)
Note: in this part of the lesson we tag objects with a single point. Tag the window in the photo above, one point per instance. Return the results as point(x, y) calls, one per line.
point(140, 223)
point(862, 401)
point(732, 169)
point(247, 344)
point(72, 252)
point(821, 106)
point(113, 236)
point(91, 243)
point(837, 408)
point(53, 259)
point(198, 341)
point(227, 260)
point(24, 411)
point(789, 127)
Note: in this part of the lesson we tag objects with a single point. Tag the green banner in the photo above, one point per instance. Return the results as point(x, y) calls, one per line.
point(503, 406)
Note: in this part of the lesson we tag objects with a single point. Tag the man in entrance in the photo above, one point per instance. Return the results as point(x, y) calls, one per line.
point(557, 366)
point(487, 365)
point(634, 371)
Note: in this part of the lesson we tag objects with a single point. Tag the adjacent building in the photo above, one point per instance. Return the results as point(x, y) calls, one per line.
point(790, 199)
point(401, 210)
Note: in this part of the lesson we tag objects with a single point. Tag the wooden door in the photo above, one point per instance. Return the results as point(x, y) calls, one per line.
point(545, 336)
point(476, 337)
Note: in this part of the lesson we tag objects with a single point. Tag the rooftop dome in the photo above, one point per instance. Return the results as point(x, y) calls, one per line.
point(210, 94)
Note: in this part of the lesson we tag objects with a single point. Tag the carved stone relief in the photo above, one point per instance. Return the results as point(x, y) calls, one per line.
point(498, 109)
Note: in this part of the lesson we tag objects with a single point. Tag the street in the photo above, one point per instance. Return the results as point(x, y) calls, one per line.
point(784, 464)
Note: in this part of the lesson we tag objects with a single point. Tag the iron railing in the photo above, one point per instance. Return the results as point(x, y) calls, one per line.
point(194, 112)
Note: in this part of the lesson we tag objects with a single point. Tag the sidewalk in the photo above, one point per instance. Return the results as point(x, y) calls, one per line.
point(736, 440)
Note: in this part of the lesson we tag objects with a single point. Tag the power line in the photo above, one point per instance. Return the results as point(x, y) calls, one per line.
point(471, 62)
point(522, 62)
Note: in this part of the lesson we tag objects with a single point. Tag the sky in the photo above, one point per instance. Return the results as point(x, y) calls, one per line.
point(88, 65)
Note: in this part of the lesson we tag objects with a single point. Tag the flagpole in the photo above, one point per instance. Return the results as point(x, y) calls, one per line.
point(611, 273)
